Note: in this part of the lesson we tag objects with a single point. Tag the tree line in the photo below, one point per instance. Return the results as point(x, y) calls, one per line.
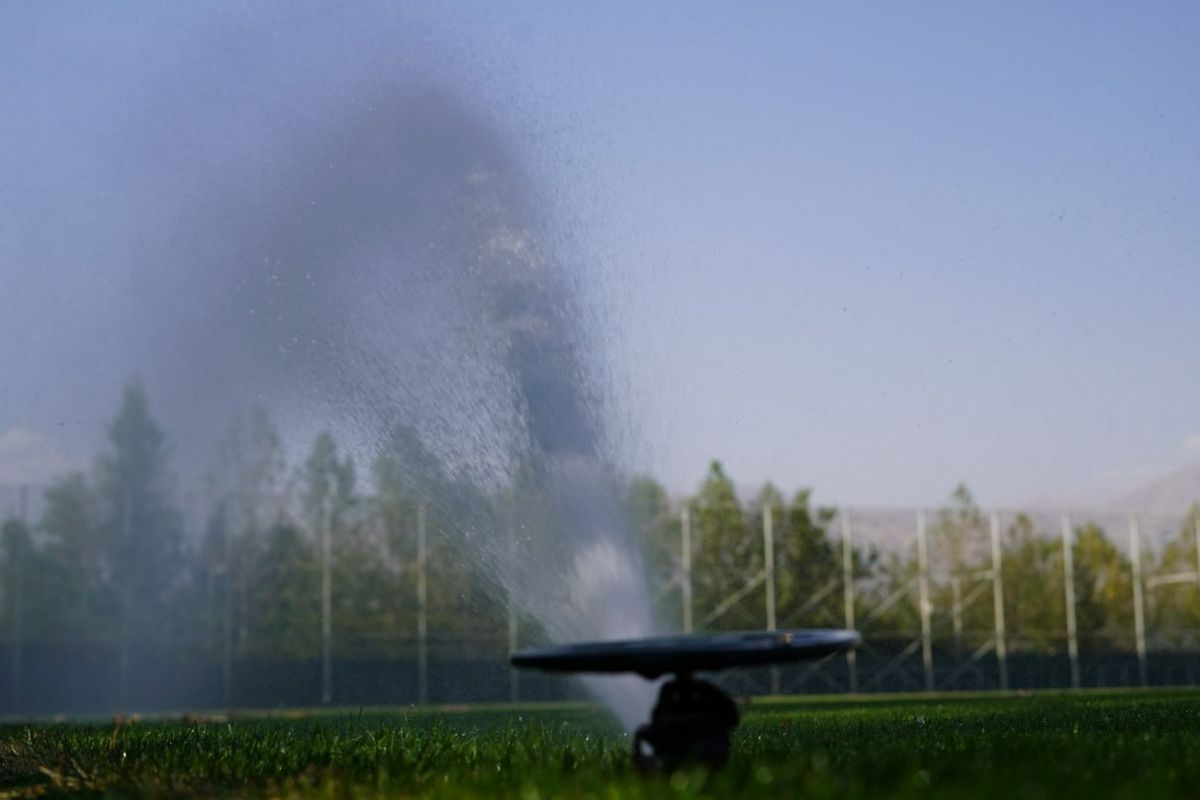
point(110, 559)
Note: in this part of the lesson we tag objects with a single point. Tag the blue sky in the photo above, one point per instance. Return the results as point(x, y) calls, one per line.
point(874, 253)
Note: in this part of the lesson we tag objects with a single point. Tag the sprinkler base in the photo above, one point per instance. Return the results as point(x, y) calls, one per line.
point(691, 723)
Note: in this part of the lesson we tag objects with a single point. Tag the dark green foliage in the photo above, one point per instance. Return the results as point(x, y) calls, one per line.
point(69, 593)
point(108, 562)
point(655, 529)
point(141, 528)
point(1033, 566)
point(1177, 607)
point(728, 555)
point(1091, 745)
point(462, 600)
point(809, 565)
point(1103, 590)
point(284, 606)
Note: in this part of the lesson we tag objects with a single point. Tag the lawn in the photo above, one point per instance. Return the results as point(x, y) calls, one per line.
point(1120, 744)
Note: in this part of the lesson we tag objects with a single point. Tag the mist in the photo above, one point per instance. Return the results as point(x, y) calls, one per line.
point(340, 226)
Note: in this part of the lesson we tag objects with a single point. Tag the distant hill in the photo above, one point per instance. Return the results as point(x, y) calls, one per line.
point(1172, 493)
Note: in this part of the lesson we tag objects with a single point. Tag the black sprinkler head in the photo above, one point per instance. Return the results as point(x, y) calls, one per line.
point(693, 719)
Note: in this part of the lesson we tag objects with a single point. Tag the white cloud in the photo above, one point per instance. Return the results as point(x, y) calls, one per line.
point(30, 458)
point(1192, 443)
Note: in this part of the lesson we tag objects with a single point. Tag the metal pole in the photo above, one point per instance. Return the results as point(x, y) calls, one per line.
point(126, 601)
point(227, 616)
point(514, 678)
point(1196, 534)
point(925, 609)
point(998, 603)
point(327, 610)
point(422, 611)
point(769, 563)
point(18, 606)
point(1069, 597)
point(956, 607)
point(685, 560)
point(848, 595)
point(768, 522)
point(1139, 613)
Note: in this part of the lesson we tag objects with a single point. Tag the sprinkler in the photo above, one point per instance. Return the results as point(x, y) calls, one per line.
point(693, 719)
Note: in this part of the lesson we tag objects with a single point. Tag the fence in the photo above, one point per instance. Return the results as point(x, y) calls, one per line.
point(921, 658)
point(927, 591)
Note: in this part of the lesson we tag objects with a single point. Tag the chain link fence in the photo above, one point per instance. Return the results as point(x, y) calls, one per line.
point(946, 600)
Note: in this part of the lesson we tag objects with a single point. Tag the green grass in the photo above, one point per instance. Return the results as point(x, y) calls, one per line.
point(1122, 744)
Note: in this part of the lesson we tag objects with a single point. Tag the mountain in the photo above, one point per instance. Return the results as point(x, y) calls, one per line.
point(1172, 493)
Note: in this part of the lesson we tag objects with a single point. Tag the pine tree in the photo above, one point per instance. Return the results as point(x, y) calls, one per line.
point(142, 530)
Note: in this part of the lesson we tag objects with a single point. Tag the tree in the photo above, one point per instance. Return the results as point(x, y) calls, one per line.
point(142, 529)
point(727, 555)
point(329, 489)
point(1103, 591)
point(406, 475)
point(465, 537)
point(656, 532)
point(1034, 603)
point(1176, 607)
point(959, 539)
point(959, 550)
point(73, 558)
point(249, 472)
point(808, 564)
point(249, 498)
point(328, 499)
point(16, 547)
point(893, 580)
point(284, 598)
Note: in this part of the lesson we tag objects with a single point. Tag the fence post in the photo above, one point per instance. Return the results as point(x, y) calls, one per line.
point(956, 612)
point(685, 560)
point(923, 585)
point(998, 603)
point(514, 678)
point(768, 523)
point(1069, 598)
point(422, 610)
point(327, 610)
point(1139, 613)
point(227, 614)
point(848, 595)
point(18, 600)
point(1196, 534)
point(126, 602)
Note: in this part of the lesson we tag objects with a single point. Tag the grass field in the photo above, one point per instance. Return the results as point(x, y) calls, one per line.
point(1116, 744)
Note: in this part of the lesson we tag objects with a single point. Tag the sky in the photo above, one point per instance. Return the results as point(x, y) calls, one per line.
point(875, 251)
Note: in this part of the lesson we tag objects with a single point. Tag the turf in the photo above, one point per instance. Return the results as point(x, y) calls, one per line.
point(1118, 744)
